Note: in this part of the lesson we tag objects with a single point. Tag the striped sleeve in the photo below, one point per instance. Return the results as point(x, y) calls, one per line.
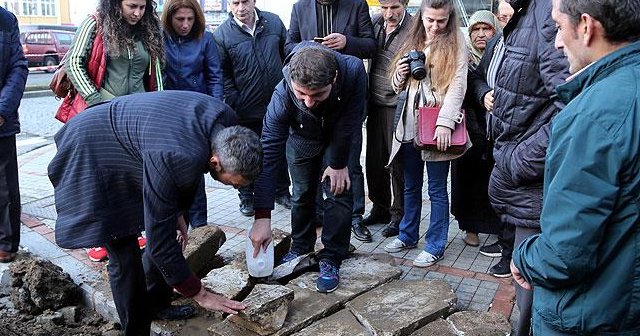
point(158, 74)
point(78, 57)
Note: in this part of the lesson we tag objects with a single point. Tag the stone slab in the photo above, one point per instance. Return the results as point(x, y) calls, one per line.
point(358, 274)
point(230, 281)
point(281, 243)
point(438, 327)
point(204, 243)
point(474, 323)
point(267, 307)
point(401, 307)
point(342, 323)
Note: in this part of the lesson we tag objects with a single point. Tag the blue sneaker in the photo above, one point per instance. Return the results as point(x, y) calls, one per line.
point(289, 256)
point(329, 278)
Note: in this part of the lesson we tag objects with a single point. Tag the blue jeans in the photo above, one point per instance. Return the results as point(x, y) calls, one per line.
point(436, 237)
point(306, 171)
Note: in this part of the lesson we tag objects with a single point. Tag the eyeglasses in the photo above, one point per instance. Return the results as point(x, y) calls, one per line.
point(504, 18)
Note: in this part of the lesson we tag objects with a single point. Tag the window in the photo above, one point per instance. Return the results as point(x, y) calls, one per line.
point(39, 38)
point(48, 7)
point(64, 39)
point(29, 7)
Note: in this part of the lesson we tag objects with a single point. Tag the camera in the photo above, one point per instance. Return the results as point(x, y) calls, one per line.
point(416, 60)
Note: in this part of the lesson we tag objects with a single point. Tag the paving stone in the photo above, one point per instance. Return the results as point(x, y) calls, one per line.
point(358, 274)
point(281, 243)
point(5, 279)
point(472, 323)
point(438, 327)
point(230, 281)
point(401, 307)
point(267, 307)
point(204, 243)
point(342, 323)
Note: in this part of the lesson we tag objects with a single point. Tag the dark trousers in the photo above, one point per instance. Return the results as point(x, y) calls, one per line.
point(9, 195)
point(305, 172)
point(355, 175)
point(198, 210)
point(524, 298)
point(138, 288)
point(506, 238)
point(283, 182)
point(383, 182)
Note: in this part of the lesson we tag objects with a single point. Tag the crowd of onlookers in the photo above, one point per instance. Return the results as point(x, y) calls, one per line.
point(545, 91)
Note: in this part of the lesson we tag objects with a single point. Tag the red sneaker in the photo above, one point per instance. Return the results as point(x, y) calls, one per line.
point(97, 254)
point(142, 242)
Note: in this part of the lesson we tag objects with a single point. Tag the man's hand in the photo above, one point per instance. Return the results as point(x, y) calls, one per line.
point(1, 121)
point(488, 101)
point(442, 136)
point(518, 277)
point(260, 235)
point(210, 301)
point(335, 41)
point(338, 179)
point(182, 235)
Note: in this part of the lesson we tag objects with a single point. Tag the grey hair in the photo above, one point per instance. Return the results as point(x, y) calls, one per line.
point(619, 18)
point(239, 151)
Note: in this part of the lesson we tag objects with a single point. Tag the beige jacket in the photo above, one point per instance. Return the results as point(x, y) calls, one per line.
point(450, 105)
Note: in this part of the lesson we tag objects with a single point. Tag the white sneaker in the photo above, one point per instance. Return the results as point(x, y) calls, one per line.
point(397, 245)
point(425, 259)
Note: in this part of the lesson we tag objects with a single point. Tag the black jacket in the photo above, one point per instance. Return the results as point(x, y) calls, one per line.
point(330, 128)
point(251, 65)
point(13, 73)
point(525, 102)
point(352, 20)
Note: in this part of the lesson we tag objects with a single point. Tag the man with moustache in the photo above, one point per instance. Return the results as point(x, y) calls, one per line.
point(584, 265)
point(386, 185)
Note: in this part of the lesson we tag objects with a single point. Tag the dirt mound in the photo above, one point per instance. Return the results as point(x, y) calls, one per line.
point(38, 285)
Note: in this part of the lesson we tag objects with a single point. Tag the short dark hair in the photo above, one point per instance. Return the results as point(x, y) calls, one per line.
point(313, 67)
point(239, 151)
point(404, 3)
point(620, 18)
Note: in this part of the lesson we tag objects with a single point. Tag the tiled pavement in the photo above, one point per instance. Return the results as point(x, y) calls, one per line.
point(462, 266)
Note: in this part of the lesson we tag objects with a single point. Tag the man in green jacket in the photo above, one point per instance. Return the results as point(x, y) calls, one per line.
point(585, 265)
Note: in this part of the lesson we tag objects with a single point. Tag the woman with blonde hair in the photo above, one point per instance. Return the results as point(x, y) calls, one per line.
point(435, 33)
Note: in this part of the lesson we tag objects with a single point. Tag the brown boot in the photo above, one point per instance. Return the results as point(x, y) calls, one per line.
point(6, 257)
point(471, 239)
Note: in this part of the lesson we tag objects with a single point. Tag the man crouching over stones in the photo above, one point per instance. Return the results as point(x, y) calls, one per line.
point(134, 164)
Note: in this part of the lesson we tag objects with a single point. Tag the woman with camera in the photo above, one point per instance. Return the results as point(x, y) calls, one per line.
point(434, 39)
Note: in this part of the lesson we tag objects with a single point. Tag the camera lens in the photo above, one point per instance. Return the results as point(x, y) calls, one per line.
point(418, 71)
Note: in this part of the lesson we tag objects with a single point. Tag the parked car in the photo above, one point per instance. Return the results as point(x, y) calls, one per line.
point(46, 47)
point(26, 28)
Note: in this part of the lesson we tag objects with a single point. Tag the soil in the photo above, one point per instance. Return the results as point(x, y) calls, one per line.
point(44, 301)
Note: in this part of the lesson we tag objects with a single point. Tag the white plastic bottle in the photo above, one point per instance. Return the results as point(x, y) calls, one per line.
point(262, 265)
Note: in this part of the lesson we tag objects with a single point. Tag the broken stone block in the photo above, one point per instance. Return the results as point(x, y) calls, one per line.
point(70, 314)
point(229, 281)
point(39, 285)
point(438, 327)
point(228, 328)
point(401, 307)
point(296, 266)
point(342, 323)
point(358, 274)
point(474, 323)
point(281, 243)
point(204, 243)
point(50, 320)
point(267, 307)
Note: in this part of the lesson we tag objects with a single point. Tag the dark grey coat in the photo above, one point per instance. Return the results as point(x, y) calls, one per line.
point(524, 106)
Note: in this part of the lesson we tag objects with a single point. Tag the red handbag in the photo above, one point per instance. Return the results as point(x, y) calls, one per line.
point(426, 128)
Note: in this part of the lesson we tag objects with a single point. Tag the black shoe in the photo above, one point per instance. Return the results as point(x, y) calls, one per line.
point(284, 200)
point(502, 269)
point(493, 251)
point(391, 229)
point(376, 218)
point(179, 312)
point(246, 207)
point(360, 232)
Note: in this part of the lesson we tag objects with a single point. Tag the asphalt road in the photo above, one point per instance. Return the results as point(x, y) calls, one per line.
point(39, 78)
point(37, 123)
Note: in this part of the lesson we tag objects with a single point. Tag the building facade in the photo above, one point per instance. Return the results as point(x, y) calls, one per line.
point(55, 12)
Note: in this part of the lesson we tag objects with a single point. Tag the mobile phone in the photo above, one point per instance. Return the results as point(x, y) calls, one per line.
point(318, 39)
